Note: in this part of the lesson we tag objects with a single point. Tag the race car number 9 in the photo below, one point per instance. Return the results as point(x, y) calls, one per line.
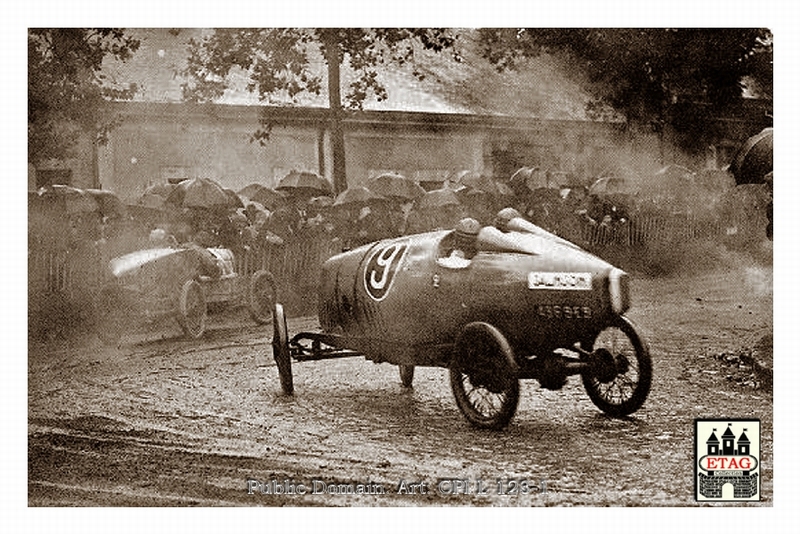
point(381, 269)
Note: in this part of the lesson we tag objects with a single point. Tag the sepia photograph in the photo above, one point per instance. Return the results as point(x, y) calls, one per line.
point(415, 267)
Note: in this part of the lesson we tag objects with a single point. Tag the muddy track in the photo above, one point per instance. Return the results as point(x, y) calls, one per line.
point(168, 422)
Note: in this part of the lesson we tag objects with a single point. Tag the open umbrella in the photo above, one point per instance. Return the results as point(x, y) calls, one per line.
point(527, 179)
point(252, 189)
point(202, 193)
point(162, 190)
point(235, 200)
point(69, 199)
point(753, 161)
point(611, 185)
point(438, 198)
point(395, 186)
point(487, 185)
point(320, 202)
point(356, 195)
point(149, 200)
point(270, 198)
point(304, 184)
point(109, 204)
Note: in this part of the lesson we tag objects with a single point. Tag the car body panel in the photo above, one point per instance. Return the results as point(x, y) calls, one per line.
point(400, 301)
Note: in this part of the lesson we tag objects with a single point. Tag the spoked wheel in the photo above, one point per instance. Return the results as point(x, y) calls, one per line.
point(484, 378)
point(261, 297)
point(110, 317)
point(620, 380)
point(280, 349)
point(406, 375)
point(192, 310)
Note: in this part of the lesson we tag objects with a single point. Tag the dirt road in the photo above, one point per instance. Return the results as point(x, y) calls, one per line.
point(164, 421)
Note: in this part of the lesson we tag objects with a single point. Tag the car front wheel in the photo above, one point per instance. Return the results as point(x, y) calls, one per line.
point(192, 310)
point(623, 370)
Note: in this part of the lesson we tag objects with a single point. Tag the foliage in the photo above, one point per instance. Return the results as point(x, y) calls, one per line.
point(283, 63)
point(644, 72)
point(67, 88)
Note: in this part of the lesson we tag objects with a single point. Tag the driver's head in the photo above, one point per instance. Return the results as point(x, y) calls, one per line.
point(504, 217)
point(466, 234)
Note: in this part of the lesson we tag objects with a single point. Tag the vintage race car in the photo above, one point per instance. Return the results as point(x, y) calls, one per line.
point(525, 304)
point(181, 282)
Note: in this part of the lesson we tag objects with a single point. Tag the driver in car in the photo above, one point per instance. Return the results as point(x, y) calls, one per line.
point(460, 246)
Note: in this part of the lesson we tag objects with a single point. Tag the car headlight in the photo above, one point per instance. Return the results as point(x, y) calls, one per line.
point(619, 291)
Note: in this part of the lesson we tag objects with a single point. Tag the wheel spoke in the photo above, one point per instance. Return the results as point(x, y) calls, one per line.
point(484, 384)
point(628, 388)
point(484, 401)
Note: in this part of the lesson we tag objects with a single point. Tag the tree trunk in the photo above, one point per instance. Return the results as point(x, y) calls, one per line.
point(333, 58)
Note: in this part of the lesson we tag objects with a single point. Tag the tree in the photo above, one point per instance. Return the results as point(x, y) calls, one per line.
point(67, 88)
point(279, 65)
point(648, 73)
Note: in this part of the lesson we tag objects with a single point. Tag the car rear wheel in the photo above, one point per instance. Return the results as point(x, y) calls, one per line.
point(406, 375)
point(192, 310)
point(280, 349)
point(110, 317)
point(261, 297)
point(484, 377)
point(623, 370)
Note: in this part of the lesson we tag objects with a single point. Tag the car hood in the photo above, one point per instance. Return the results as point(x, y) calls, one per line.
point(123, 265)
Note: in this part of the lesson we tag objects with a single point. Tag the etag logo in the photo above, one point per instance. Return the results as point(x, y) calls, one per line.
point(727, 464)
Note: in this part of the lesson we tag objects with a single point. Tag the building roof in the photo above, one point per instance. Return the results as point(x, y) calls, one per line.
point(541, 89)
point(713, 438)
point(728, 433)
point(743, 438)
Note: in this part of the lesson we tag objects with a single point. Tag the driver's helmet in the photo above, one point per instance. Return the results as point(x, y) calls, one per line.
point(467, 228)
point(504, 217)
point(466, 234)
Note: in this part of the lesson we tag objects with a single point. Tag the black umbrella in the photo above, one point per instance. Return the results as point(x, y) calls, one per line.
point(356, 195)
point(110, 204)
point(251, 190)
point(162, 190)
point(305, 184)
point(203, 193)
point(395, 186)
point(483, 183)
point(69, 199)
point(612, 185)
point(270, 198)
point(753, 161)
point(236, 201)
point(438, 198)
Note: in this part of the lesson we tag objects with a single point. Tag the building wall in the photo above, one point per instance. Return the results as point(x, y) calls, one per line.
point(151, 149)
point(422, 156)
point(156, 143)
point(77, 171)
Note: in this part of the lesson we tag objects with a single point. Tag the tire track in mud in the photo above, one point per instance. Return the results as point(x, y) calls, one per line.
point(161, 421)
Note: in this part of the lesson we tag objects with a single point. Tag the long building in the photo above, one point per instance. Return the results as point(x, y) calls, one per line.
point(464, 118)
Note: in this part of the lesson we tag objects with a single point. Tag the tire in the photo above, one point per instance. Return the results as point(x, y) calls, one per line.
point(280, 349)
point(621, 394)
point(192, 310)
point(484, 377)
point(261, 297)
point(406, 375)
point(110, 317)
